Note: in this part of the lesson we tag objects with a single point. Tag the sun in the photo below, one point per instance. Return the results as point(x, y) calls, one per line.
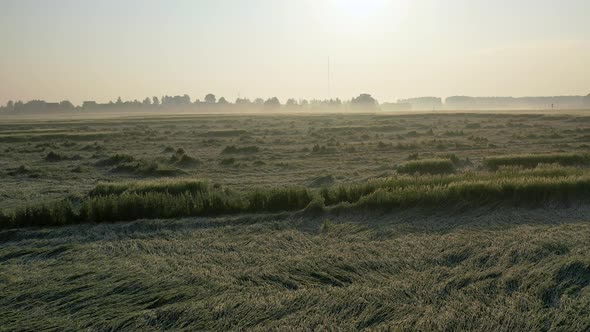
point(344, 18)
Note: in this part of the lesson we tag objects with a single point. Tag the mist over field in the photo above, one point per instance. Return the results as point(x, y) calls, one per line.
point(274, 165)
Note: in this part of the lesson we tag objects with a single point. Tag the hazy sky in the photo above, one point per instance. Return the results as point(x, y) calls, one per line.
point(102, 49)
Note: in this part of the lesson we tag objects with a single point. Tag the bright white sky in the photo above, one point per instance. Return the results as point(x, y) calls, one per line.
point(99, 50)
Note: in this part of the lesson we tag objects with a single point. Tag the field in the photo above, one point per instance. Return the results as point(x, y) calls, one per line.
point(419, 221)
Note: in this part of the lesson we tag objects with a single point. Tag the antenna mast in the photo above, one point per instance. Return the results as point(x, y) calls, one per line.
point(329, 79)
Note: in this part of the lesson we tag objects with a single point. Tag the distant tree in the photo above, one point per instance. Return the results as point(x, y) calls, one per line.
point(272, 103)
point(336, 102)
point(66, 105)
point(364, 101)
point(210, 99)
point(304, 103)
point(223, 101)
point(147, 101)
point(176, 101)
point(587, 100)
point(155, 101)
point(119, 101)
point(10, 106)
point(292, 103)
point(243, 101)
point(259, 101)
point(18, 106)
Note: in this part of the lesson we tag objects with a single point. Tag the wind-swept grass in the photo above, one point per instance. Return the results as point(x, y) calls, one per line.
point(279, 199)
point(521, 191)
point(352, 193)
point(396, 272)
point(57, 213)
point(158, 205)
point(189, 197)
point(170, 186)
point(533, 160)
point(427, 166)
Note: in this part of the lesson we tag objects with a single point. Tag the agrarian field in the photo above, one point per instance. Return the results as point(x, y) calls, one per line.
point(296, 221)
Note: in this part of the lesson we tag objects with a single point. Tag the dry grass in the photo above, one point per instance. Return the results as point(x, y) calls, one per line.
point(478, 270)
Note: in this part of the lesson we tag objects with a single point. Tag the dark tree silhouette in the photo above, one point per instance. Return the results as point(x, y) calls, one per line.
point(155, 101)
point(18, 105)
point(176, 100)
point(272, 103)
point(210, 99)
point(364, 101)
point(66, 105)
point(292, 103)
point(243, 101)
point(222, 101)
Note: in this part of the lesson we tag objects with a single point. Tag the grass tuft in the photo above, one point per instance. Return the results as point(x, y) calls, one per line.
point(534, 160)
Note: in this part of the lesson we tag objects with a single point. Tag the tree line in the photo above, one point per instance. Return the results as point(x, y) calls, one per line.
point(362, 102)
point(184, 102)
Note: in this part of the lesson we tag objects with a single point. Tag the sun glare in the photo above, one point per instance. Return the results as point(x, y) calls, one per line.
point(359, 9)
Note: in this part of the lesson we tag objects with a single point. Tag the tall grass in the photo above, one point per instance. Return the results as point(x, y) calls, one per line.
point(109, 202)
point(48, 214)
point(427, 166)
point(171, 186)
point(156, 205)
point(533, 160)
point(523, 191)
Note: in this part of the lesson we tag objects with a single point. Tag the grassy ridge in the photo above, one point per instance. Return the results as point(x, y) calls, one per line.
point(187, 198)
point(534, 160)
point(161, 186)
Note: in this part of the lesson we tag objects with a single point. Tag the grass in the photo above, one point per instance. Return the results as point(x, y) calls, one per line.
point(315, 231)
point(116, 159)
point(169, 186)
point(187, 161)
point(148, 169)
point(474, 271)
point(282, 140)
point(228, 161)
point(55, 157)
point(232, 149)
point(427, 166)
point(533, 160)
point(190, 198)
